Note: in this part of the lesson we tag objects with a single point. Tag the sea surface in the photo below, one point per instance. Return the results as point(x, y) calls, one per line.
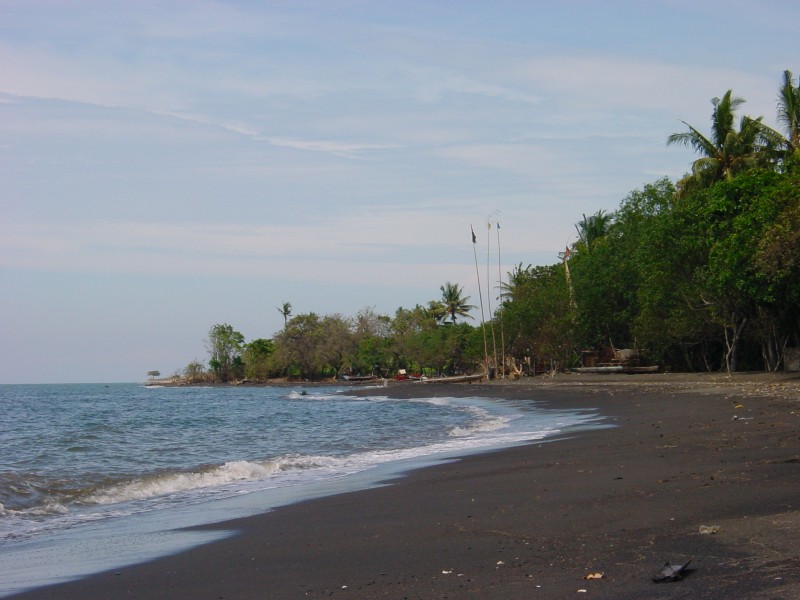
point(95, 477)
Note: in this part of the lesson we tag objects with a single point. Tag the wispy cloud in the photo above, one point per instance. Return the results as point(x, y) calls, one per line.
point(374, 242)
point(616, 83)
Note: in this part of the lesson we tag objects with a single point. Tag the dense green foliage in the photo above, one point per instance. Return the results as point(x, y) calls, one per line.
point(312, 347)
point(699, 275)
point(224, 346)
point(708, 281)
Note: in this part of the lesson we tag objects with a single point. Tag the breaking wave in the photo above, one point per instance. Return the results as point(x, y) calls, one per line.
point(231, 472)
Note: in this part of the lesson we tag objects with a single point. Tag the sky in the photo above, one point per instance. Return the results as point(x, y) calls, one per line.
point(166, 166)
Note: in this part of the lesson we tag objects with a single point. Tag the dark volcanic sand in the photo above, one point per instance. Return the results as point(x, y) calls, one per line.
point(533, 521)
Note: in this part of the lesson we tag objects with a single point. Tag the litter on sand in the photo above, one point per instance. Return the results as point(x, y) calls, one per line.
point(709, 529)
point(669, 572)
point(597, 575)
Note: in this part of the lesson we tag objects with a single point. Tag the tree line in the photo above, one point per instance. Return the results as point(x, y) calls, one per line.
point(698, 274)
point(428, 339)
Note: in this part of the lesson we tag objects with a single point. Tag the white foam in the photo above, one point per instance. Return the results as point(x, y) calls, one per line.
point(297, 468)
point(50, 507)
point(486, 426)
point(230, 472)
point(435, 401)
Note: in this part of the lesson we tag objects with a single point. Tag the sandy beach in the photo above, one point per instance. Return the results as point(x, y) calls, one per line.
point(701, 467)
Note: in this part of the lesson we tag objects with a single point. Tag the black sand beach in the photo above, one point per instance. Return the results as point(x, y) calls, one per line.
point(705, 467)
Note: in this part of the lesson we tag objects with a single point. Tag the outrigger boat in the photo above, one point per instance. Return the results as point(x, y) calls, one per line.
point(630, 370)
point(358, 377)
point(474, 377)
point(455, 379)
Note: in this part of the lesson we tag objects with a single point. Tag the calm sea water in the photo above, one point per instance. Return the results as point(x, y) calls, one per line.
point(96, 476)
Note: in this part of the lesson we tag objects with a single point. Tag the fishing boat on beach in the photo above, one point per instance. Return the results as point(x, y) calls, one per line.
point(358, 377)
point(628, 369)
point(455, 379)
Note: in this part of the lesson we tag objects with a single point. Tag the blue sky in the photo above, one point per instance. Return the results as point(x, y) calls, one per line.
point(166, 166)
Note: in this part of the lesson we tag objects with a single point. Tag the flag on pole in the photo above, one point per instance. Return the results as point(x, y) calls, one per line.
point(474, 239)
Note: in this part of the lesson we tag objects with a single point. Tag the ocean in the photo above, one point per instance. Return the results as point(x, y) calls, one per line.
point(94, 477)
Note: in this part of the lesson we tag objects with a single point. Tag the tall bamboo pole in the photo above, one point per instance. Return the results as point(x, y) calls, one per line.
point(500, 311)
point(480, 297)
point(489, 290)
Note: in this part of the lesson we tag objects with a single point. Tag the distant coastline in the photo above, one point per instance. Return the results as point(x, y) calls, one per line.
point(680, 380)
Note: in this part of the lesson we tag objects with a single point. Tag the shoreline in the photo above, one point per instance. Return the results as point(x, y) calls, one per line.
point(533, 520)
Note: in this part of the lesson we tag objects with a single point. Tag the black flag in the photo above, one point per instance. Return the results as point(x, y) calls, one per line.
point(474, 239)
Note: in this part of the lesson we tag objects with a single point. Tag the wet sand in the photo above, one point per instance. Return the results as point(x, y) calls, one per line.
point(690, 455)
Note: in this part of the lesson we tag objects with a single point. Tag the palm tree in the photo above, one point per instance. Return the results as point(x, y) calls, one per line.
point(789, 112)
point(593, 228)
point(517, 278)
point(454, 301)
point(436, 310)
point(286, 310)
point(728, 151)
